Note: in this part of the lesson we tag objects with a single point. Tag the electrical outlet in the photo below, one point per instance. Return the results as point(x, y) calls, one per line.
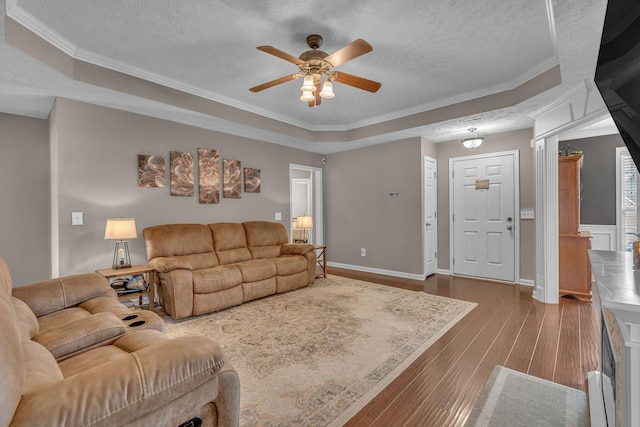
point(363, 252)
point(278, 216)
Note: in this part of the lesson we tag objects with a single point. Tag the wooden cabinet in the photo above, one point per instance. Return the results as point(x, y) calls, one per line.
point(574, 267)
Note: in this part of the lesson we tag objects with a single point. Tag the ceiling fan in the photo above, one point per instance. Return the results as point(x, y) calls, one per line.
point(314, 64)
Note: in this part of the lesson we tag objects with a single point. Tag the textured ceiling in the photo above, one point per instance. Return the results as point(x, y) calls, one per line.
point(426, 55)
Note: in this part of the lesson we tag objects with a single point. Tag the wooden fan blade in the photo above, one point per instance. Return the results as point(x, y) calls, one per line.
point(350, 51)
point(272, 83)
point(357, 82)
point(280, 54)
point(318, 100)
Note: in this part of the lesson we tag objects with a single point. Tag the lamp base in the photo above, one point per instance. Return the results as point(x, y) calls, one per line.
point(121, 255)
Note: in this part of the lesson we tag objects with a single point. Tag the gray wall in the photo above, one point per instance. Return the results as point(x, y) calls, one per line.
point(360, 213)
point(97, 175)
point(24, 197)
point(598, 178)
point(517, 140)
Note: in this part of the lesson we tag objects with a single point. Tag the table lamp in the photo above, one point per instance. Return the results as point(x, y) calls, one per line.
point(121, 229)
point(305, 222)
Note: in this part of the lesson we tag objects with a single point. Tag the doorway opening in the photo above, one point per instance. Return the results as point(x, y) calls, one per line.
point(305, 192)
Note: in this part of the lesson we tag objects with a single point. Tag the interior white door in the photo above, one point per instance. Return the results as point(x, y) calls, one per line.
point(484, 220)
point(430, 216)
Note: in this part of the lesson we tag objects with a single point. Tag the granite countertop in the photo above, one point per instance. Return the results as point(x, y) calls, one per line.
point(617, 281)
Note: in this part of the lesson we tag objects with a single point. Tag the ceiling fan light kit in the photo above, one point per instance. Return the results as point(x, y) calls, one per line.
point(473, 141)
point(314, 64)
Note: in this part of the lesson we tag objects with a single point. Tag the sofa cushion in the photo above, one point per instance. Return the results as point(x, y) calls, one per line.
point(177, 239)
point(265, 239)
point(216, 279)
point(257, 269)
point(230, 242)
point(286, 265)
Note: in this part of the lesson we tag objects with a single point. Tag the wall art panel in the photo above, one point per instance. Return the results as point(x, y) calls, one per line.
point(232, 179)
point(252, 180)
point(181, 174)
point(151, 171)
point(208, 176)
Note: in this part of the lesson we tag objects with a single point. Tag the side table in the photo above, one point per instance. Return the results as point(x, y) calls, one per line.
point(150, 277)
point(322, 260)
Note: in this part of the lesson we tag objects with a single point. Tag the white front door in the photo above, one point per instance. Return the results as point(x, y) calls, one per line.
point(430, 217)
point(484, 215)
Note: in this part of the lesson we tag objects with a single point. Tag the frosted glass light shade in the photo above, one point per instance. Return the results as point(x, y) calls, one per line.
point(309, 84)
point(307, 96)
point(327, 90)
point(472, 142)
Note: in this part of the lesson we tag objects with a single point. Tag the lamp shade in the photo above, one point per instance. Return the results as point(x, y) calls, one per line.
point(304, 222)
point(120, 229)
point(327, 90)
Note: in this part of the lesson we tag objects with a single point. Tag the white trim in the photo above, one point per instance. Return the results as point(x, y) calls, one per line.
point(516, 203)
point(526, 282)
point(381, 271)
point(603, 237)
point(424, 225)
point(443, 271)
point(54, 201)
point(620, 222)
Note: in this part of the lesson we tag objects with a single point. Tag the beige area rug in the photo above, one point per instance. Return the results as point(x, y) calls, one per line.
point(317, 355)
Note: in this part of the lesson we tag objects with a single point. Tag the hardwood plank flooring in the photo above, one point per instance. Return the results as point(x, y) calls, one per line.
point(508, 327)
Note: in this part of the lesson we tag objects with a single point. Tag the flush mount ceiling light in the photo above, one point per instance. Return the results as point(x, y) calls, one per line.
point(315, 65)
point(472, 141)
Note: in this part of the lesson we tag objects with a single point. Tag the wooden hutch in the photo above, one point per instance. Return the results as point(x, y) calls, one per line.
point(574, 266)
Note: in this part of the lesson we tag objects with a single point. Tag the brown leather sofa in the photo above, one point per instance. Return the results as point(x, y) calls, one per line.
point(205, 268)
point(99, 369)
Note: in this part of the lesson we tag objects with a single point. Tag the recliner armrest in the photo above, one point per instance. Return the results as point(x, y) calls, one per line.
point(296, 248)
point(124, 389)
point(166, 264)
point(63, 292)
point(82, 334)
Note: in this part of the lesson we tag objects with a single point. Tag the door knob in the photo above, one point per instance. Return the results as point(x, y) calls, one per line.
point(509, 227)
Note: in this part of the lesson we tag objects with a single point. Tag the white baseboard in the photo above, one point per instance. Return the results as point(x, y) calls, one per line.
point(378, 271)
point(526, 282)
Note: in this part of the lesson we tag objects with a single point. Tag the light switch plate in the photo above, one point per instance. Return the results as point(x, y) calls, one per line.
point(526, 214)
point(77, 218)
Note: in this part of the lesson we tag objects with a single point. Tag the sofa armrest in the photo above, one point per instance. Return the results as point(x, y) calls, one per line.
point(82, 334)
point(166, 264)
point(63, 292)
point(296, 248)
point(124, 389)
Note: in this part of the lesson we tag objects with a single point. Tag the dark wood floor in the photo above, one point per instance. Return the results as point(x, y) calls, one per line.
point(508, 327)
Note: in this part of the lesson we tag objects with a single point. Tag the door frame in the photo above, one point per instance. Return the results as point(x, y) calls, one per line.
point(516, 205)
point(317, 206)
point(424, 215)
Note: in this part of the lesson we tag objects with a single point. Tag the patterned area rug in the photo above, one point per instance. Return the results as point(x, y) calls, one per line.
point(317, 355)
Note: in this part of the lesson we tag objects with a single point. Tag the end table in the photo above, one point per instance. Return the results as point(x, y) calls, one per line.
point(322, 260)
point(150, 276)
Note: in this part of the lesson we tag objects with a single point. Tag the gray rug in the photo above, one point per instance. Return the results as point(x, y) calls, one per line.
point(511, 398)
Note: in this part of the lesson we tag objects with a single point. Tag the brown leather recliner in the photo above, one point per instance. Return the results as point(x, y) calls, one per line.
point(139, 378)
